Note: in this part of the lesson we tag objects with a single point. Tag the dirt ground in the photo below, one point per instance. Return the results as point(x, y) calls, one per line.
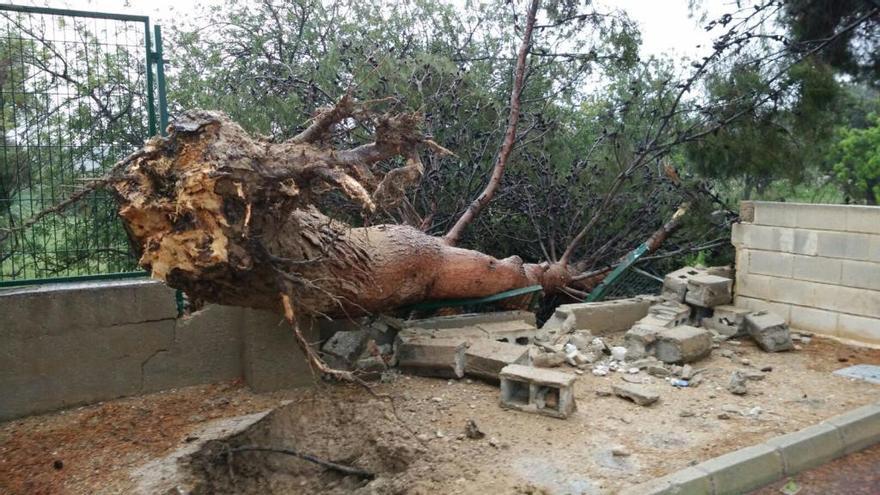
point(419, 446)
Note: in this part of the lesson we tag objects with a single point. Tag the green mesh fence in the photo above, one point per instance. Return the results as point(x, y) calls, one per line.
point(75, 97)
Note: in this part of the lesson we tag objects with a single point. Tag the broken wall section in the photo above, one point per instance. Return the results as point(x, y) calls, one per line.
point(63, 345)
point(816, 266)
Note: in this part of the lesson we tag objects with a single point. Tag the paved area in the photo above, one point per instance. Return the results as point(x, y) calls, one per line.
point(855, 474)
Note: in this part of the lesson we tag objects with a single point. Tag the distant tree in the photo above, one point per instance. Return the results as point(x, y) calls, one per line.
point(856, 161)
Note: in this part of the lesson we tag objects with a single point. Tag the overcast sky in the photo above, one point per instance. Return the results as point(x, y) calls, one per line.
point(665, 24)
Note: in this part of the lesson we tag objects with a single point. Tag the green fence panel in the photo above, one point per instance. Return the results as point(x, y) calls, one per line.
point(76, 95)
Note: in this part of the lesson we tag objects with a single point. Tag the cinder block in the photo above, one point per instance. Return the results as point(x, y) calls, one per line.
point(781, 309)
point(672, 312)
point(800, 292)
point(749, 285)
point(844, 245)
point(819, 217)
point(816, 269)
point(858, 328)
point(806, 242)
point(864, 219)
point(775, 214)
point(860, 428)
point(743, 470)
point(727, 320)
point(485, 359)
point(682, 344)
point(861, 274)
point(780, 239)
point(808, 448)
point(860, 302)
point(513, 332)
point(639, 340)
point(426, 356)
point(769, 331)
point(874, 249)
point(813, 320)
point(770, 263)
point(675, 284)
point(537, 390)
point(709, 290)
point(602, 317)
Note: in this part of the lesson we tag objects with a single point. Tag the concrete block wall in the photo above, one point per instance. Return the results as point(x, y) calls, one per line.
point(71, 344)
point(817, 266)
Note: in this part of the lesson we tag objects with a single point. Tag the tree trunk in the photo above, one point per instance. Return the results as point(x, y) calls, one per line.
point(231, 219)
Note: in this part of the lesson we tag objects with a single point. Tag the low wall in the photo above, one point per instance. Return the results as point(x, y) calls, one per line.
point(70, 344)
point(817, 266)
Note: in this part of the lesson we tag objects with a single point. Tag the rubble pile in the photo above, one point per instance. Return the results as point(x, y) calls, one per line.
point(663, 337)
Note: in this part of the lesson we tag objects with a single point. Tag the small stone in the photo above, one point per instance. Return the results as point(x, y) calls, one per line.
point(636, 393)
point(686, 414)
point(603, 393)
point(437, 399)
point(600, 370)
point(632, 371)
point(439, 434)
point(723, 416)
point(619, 451)
point(737, 384)
point(726, 353)
point(745, 362)
point(687, 372)
point(493, 442)
point(423, 437)
point(472, 431)
point(798, 347)
point(730, 408)
point(753, 375)
point(767, 369)
point(658, 371)
point(754, 412)
point(578, 372)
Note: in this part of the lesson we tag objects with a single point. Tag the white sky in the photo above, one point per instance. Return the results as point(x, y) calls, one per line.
point(665, 24)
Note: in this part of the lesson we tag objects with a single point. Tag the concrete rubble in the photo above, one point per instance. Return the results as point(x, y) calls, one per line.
point(639, 394)
point(683, 344)
point(769, 331)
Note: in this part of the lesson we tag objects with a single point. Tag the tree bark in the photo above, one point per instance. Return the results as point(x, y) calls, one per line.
point(231, 219)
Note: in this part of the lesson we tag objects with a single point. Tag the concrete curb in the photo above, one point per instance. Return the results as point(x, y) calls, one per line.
point(753, 467)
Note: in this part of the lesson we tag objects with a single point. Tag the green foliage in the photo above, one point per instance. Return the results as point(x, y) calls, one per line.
point(856, 161)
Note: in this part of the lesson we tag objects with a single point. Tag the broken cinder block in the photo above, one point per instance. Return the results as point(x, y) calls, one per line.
point(708, 291)
point(675, 283)
point(427, 356)
point(683, 344)
point(486, 358)
point(769, 330)
point(636, 393)
point(727, 320)
point(343, 348)
point(535, 390)
point(673, 313)
point(639, 340)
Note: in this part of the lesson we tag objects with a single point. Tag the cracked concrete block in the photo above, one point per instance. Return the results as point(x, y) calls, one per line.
point(639, 340)
point(769, 330)
point(427, 356)
point(727, 320)
point(708, 291)
point(346, 345)
point(674, 313)
point(639, 394)
point(675, 283)
point(206, 349)
point(470, 319)
point(683, 344)
point(539, 391)
point(601, 317)
point(486, 358)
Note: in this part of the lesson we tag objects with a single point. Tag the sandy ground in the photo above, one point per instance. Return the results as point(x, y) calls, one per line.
point(419, 446)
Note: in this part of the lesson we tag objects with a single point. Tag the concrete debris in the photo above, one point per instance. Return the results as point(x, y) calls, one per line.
point(727, 353)
point(636, 393)
point(472, 431)
point(426, 356)
point(581, 339)
point(683, 344)
point(542, 359)
point(620, 451)
point(769, 331)
point(598, 346)
point(618, 353)
point(658, 371)
point(538, 391)
point(671, 312)
point(686, 414)
point(600, 370)
point(484, 359)
point(344, 348)
point(708, 291)
point(737, 384)
point(687, 372)
point(752, 375)
point(639, 340)
point(728, 321)
point(675, 283)
point(600, 317)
